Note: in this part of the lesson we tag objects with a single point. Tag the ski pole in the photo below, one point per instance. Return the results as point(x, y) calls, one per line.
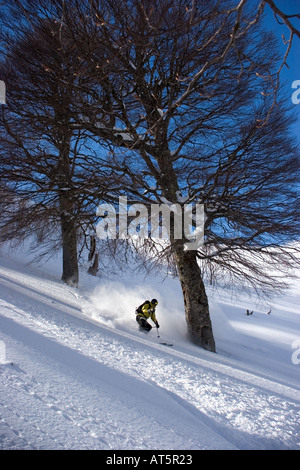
point(157, 333)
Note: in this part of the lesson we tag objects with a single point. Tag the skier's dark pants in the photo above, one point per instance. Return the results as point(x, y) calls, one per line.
point(144, 325)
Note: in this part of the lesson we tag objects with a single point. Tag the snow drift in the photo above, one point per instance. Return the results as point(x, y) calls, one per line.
point(77, 374)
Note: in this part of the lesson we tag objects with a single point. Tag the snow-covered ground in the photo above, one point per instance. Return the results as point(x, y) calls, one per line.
point(77, 374)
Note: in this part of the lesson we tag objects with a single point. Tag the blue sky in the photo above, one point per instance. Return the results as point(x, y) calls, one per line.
point(288, 75)
point(289, 7)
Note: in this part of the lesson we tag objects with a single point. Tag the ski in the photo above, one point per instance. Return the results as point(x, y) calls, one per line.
point(166, 344)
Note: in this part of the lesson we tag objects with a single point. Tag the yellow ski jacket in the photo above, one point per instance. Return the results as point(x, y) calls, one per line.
point(148, 311)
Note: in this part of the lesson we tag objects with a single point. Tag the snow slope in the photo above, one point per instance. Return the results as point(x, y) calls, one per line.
point(76, 373)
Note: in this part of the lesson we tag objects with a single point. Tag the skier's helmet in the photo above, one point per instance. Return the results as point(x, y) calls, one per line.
point(154, 302)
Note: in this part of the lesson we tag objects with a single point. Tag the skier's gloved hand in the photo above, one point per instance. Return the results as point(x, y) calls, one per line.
point(157, 325)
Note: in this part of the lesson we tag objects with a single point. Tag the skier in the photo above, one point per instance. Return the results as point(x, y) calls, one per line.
point(144, 312)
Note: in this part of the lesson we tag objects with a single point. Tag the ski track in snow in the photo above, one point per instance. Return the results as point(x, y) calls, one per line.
point(77, 384)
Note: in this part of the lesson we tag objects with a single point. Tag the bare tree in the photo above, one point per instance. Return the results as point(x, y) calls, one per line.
point(46, 160)
point(193, 117)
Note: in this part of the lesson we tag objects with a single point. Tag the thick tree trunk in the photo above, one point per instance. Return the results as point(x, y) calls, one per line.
point(195, 299)
point(70, 273)
point(93, 258)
